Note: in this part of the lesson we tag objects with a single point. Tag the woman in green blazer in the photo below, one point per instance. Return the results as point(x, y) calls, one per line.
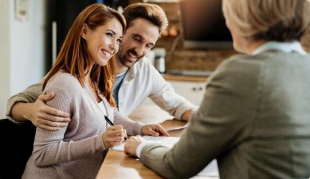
point(255, 117)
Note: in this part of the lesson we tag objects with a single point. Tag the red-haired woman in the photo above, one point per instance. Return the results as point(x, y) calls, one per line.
point(82, 79)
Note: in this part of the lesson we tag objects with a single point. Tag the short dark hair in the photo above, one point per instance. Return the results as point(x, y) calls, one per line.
point(151, 12)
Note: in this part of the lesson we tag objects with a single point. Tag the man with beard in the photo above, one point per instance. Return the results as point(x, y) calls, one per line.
point(136, 78)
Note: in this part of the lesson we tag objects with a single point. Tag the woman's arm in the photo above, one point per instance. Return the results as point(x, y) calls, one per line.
point(132, 127)
point(138, 128)
point(50, 147)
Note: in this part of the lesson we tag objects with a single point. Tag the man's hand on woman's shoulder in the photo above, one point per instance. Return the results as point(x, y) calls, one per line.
point(46, 117)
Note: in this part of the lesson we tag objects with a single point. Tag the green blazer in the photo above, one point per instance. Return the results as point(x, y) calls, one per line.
point(254, 119)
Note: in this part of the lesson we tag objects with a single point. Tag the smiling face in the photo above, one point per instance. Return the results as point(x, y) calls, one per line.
point(103, 42)
point(138, 39)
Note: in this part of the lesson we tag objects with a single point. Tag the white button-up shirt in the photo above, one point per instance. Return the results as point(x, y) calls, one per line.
point(142, 81)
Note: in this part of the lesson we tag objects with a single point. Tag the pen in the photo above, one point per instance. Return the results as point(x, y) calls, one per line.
point(111, 123)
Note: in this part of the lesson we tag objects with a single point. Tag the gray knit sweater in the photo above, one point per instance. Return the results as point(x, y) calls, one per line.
point(76, 151)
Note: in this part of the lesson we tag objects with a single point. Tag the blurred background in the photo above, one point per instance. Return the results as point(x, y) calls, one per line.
point(32, 32)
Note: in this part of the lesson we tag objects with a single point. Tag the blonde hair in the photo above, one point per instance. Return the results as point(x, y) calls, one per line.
point(151, 12)
point(272, 20)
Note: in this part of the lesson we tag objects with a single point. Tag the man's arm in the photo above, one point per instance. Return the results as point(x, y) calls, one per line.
point(166, 98)
point(30, 95)
point(187, 114)
point(30, 105)
point(20, 110)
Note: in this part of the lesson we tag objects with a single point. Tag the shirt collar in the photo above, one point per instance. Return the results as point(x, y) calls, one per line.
point(122, 74)
point(282, 46)
point(132, 71)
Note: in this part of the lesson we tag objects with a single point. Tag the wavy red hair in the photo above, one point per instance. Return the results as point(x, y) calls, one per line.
point(74, 57)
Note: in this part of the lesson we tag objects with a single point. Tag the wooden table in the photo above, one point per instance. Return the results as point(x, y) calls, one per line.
point(184, 78)
point(119, 166)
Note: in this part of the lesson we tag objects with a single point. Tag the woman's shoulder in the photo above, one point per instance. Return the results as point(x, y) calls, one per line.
point(243, 62)
point(245, 58)
point(62, 77)
point(240, 68)
point(64, 81)
point(259, 58)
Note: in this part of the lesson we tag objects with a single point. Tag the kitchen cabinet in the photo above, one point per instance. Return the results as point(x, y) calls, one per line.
point(191, 88)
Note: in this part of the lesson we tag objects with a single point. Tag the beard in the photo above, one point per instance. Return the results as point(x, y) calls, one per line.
point(123, 58)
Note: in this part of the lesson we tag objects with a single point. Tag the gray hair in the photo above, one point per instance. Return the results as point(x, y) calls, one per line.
point(272, 20)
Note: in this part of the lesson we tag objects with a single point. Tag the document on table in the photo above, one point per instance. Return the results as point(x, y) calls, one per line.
point(178, 128)
point(166, 141)
point(209, 172)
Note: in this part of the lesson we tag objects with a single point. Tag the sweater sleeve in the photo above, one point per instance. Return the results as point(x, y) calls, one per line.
point(228, 110)
point(29, 95)
point(50, 147)
point(132, 127)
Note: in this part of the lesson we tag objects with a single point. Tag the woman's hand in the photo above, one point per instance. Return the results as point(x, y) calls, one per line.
point(154, 130)
point(113, 136)
point(131, 145)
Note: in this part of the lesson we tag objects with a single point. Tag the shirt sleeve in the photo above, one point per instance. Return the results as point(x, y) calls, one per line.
point(228, 110)
point(140, 147)
point(50, 147)
point(166, 98)
point(29, 95)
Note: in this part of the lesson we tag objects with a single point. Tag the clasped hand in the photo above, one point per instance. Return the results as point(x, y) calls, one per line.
point(114, 135)
point(133, 142)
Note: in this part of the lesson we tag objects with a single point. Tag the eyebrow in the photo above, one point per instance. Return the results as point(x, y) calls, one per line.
point(112, 31)
point(143, 38)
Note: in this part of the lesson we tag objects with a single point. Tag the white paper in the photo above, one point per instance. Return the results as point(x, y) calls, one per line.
point(166, 141)
point(209, 172)
point(178, 128)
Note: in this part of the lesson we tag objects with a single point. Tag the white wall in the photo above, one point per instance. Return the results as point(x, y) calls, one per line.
point(4, 55)
point(23, 49)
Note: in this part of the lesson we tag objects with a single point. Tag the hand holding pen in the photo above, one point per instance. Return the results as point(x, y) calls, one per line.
point(114, 135)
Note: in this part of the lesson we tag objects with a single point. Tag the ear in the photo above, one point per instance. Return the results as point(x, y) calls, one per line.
point(84, 31)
